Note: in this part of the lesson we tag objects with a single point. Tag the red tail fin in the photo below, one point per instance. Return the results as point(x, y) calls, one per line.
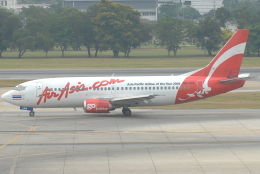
point(228, 60)
point(224, 67)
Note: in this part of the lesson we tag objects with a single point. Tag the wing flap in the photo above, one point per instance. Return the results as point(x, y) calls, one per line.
point(133, 100)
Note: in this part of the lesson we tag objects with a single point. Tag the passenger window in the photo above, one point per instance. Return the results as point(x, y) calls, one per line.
point(125, 88)
point(188, 87)
point(165, 87)
point(142, 88)
point(184, 87)
point(157, 87)
point(180, 87)
point(173, 87)
point(133, 88)
point(177, 87)
point(122, 88)
point(169, 87)
point(105, 88)
point(138, 88)
point(153, 88)
point(149, 88)
point(108, 88)
point(130, 88)
point(117, 88)
point(161, 87)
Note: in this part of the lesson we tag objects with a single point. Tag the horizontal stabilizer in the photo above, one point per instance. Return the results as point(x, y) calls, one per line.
point(237, 79)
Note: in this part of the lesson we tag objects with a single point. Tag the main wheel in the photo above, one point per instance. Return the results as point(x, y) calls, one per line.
point(32, 113)
point(127, 112)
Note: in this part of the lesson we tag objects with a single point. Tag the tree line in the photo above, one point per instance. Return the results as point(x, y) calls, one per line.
point(211, 31)
point(103, 26)
point(117, 27)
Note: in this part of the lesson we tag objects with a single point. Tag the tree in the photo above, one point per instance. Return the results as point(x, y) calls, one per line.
point(223, 15)
point(253, 44)
point(226, 35)
point(190, 13)
point(208, 34)
point(63, 24)
point(23, 40)
point(232, 5)
point(44, 42)
point(56, 5)
point(9, 23)
point(147, 29)
point(169, 9)
point(211, 13)
point(243, 16)
point(171, 32)
point(37, 22)
point(116, 26)
point(89, 34)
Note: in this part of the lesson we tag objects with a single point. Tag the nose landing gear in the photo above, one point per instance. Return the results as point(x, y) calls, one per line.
point(32, 113)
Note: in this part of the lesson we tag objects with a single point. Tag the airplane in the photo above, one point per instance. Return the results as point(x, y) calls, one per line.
point(105, 94)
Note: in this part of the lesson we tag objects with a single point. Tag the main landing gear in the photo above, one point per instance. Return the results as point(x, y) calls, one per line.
point(126, 111)
point(32, 113)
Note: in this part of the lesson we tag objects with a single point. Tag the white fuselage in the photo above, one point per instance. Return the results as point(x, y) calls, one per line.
point(72, 91)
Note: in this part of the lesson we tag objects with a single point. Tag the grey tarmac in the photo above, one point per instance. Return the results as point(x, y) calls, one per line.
point(152, 141)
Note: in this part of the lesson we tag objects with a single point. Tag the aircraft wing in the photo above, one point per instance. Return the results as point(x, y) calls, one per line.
point(239, 78)
point(133, 100)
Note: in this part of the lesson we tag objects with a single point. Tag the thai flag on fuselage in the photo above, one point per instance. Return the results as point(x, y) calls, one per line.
point(17, 97)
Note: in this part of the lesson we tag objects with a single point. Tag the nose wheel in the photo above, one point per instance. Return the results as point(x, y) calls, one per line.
point(126, 111)
point(32, 113)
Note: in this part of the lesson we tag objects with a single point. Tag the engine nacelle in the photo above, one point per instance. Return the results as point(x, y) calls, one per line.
point(97, 106)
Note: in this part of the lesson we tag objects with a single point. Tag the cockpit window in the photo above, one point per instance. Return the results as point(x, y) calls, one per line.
point(20, 88)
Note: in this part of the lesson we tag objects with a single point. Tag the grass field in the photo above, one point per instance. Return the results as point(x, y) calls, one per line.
point(152, 57)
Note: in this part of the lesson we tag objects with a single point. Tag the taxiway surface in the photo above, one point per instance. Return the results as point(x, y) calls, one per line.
point(62, 141)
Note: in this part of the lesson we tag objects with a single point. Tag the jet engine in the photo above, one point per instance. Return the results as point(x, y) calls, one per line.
point(97, 106)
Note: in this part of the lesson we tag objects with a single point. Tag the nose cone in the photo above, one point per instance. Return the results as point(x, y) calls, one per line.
point(6, 97)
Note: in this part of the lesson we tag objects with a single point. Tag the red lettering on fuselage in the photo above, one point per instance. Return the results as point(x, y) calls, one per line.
point(48, 94)
point(105, 83)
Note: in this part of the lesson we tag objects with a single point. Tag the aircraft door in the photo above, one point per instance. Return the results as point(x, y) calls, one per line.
point(38, 89)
